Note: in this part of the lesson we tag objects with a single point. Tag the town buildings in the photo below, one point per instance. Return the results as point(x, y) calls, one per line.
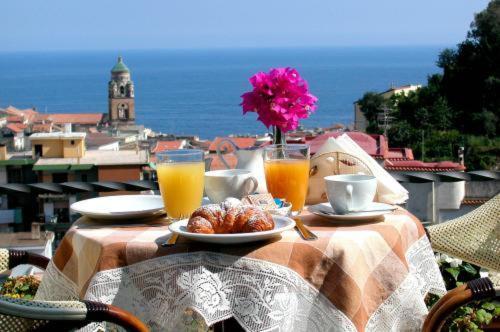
point(48, 161)
point(40, 151)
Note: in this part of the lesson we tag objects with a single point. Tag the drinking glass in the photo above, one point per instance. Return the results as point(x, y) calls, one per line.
point(181, 176)
point(287, 173)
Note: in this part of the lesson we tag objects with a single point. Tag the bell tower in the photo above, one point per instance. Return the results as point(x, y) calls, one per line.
point(121, 95)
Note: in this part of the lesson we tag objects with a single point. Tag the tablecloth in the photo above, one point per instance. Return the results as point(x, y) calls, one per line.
point(371, 276)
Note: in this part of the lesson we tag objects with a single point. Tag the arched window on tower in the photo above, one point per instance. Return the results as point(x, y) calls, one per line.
point(122, 90)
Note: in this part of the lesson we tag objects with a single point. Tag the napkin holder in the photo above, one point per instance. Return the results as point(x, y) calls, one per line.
point(331, 163)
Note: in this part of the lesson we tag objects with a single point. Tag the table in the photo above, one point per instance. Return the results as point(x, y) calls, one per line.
point(371, 276)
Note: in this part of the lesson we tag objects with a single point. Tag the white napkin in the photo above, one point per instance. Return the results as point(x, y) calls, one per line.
point(388, 189)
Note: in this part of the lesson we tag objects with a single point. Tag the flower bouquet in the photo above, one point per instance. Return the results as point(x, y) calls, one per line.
point(281, 99)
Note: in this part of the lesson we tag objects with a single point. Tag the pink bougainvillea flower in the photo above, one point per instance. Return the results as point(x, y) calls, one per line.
point(280, 98)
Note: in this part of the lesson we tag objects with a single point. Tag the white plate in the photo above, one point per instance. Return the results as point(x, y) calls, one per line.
point(120, 207)
point(281, 224)
point(373, 211)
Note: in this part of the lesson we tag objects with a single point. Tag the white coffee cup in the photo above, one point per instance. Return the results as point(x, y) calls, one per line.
point(222, 184)
point(350, 192)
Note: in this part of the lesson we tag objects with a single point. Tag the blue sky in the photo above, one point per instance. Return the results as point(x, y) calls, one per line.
point(160, 24)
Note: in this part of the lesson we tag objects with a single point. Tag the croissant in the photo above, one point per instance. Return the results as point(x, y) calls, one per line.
point(229, 218)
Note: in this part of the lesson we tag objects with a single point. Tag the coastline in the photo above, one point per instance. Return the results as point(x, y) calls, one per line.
point(197, 92)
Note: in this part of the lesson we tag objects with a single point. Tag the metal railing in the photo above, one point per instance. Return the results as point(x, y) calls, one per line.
point(74, 187)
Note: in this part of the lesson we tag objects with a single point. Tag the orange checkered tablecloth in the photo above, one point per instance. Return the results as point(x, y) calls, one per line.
point(371, 276)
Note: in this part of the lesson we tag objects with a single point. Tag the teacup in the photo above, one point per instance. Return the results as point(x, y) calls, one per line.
point(222, 184)
point(350, 192)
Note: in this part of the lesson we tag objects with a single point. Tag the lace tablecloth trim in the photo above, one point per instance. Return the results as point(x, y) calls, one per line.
point(56, 286)
point(260, 295)
point(405, 309)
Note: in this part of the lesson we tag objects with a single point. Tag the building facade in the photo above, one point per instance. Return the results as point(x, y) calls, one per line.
point(121, 95)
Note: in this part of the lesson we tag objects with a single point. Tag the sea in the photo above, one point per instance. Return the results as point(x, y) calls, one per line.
point(197, 92)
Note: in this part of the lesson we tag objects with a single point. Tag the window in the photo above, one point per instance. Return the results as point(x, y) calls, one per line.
point(122, 90)
point(72, 142)
point(122, 111)
point(59, 177)
point(38, 150)
point(14, 175)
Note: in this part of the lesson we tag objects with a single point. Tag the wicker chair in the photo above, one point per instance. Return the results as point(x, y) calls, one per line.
point(24, 315)
point(475, 290)
point(474, 237)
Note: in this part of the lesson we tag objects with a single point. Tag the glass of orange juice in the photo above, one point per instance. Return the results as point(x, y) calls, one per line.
point(181, 175)
point(287, 173)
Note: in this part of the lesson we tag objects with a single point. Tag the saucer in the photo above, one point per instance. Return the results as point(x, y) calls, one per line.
point(373, 211)
point(120, 207)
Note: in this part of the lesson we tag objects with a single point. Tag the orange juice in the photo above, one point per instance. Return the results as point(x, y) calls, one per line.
point(181, 186)
point(288, 178)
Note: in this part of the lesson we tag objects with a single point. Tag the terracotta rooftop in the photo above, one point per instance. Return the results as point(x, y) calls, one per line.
point(42, 128)
point(76, 118)
point(41, 118)
point(15, 118)
point(217, 164)
point(400, 154)
point(420, 166)
point(168, 145)
point(16, 127)
point(28, 114)
point(475, 200)
point(396, 159)
point(375, 145)
point(241, 142)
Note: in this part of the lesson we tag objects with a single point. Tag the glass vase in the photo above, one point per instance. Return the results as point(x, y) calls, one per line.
point(279, 138)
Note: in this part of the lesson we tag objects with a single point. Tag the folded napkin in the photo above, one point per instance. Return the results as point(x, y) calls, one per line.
point(388, 189)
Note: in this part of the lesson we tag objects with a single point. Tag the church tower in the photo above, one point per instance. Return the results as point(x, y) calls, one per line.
point(121, 95)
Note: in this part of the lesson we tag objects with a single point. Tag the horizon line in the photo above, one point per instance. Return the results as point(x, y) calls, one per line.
point(220, 48)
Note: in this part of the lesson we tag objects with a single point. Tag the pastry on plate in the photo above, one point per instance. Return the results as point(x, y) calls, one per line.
point(229, 217)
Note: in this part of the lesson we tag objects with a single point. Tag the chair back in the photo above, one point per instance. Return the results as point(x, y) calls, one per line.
point(475, 290)
point(19, 315)
point(473, 237)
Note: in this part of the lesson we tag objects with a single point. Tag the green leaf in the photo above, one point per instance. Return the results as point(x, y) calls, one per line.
point(488, 306)
point(27, 297)
point(25, 288)
point(468, 310)
point(473, 327)
point(453, 327)
point(453, 271)
point(469, 268)
point(483, 316)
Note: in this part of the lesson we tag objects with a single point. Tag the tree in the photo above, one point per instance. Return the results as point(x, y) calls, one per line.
point(471, 75)
point(371, 104)
point(460, 107)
